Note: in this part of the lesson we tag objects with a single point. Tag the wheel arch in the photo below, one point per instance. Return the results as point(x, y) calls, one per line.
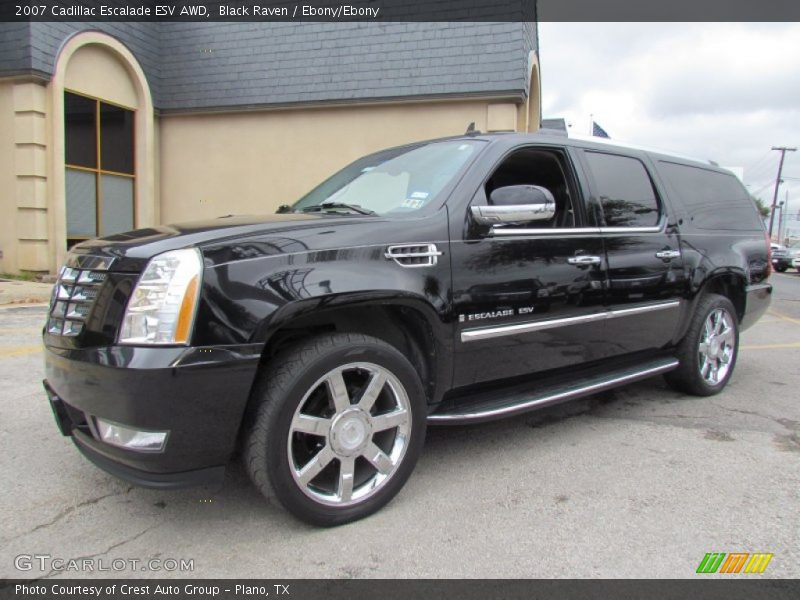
point(727, 282)
point(406, 322)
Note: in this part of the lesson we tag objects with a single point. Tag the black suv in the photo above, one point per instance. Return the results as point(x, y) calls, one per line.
point(445, 282)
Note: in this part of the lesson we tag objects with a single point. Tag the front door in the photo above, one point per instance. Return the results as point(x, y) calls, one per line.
point(527, 296)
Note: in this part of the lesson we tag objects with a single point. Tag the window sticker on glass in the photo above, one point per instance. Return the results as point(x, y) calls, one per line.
point(412, 203)
point(419, 195)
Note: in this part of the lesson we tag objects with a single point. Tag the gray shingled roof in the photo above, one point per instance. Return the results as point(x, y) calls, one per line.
point(210, 65)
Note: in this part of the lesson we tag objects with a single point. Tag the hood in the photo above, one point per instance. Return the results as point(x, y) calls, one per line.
point(130, 251)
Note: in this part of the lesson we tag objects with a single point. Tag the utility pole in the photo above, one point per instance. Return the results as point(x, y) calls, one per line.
point(783, 150)
point(784, 217)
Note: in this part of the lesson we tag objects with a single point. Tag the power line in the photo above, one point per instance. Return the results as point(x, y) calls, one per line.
point(753, 165)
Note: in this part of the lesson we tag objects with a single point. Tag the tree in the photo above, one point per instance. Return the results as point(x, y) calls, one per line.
point(763, 208)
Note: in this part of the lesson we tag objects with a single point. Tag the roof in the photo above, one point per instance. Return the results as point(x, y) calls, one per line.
point(196, 65)
point(555, 137)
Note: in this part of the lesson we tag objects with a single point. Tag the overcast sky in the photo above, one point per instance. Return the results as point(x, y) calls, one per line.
point(721, 91)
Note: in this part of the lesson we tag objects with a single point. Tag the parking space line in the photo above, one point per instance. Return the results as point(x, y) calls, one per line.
point(769, 346)
point(19, 351)
point(20, 329)
point(783, 317)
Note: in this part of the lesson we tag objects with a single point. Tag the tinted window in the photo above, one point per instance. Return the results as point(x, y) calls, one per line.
point(713, 200)
point(79, 130)
point(543, 168)
point(625, 190)
point(116, 139)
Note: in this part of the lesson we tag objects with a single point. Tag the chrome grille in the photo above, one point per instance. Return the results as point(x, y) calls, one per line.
point(73, 297)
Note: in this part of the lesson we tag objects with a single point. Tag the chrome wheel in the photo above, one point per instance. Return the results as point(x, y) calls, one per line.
point(349, 434)
point(717, 346)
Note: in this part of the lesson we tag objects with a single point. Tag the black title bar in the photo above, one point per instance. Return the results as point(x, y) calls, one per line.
point(387, 589)
point(399, 10)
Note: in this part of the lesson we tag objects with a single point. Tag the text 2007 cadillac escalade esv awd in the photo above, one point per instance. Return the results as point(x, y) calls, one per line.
point(450, 281)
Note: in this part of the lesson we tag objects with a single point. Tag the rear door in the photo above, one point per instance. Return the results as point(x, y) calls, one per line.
point(645, 273)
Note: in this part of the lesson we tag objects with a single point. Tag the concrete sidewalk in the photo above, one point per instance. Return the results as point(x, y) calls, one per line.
point(24, 292)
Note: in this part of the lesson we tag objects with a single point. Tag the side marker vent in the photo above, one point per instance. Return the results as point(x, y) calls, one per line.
point(414, 255)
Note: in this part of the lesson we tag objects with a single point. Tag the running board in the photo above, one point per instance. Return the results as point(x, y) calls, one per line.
point(472, 411)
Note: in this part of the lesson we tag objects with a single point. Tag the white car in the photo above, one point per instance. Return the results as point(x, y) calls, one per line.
point(785, 257)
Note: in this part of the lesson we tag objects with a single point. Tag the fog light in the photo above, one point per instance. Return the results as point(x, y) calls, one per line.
point(132, 439)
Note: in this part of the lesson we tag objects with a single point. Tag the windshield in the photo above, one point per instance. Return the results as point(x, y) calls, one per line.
point(396, 181)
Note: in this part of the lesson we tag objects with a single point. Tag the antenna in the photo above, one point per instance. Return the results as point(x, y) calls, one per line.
point(470, 128)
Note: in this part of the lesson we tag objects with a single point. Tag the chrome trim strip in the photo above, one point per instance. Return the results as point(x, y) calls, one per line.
point(470, 335)
point(505, 231)
point(90, 262)
point(497, 231)
point(631, 229)
point(668, 365)
point(485, 333)
point(624, 312)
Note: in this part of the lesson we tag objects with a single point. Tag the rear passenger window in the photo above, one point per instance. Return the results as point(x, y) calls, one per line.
point(625, 190)
point(713, 200)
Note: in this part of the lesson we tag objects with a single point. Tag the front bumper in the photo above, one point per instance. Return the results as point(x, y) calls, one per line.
point(757, 300)
point(198, 395)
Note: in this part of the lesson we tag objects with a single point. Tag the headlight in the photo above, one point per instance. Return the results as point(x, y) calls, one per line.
point(162, 306)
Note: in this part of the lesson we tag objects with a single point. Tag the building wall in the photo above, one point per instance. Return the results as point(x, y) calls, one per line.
point(24, 141)
point(250, 163)
point(142, 39)
point(240, 117)
point(8, 201)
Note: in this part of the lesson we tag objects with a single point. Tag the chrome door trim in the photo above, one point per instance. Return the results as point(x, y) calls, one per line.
point(632, 230)
point(503, 231)
point(485, 333)
point(557, 397)
point(496, 231)
point(637, 310)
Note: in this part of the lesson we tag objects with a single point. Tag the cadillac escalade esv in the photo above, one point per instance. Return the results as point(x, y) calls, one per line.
point(444, 282)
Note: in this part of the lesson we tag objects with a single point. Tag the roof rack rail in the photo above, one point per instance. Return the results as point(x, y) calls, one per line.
point(553, 132)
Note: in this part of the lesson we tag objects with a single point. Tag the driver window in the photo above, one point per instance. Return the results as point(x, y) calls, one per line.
point(544, 168)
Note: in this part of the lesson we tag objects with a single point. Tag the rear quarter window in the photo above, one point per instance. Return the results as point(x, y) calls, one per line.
point(713, 200)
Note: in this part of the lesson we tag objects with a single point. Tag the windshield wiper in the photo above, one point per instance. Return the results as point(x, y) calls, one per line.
point(352, 207)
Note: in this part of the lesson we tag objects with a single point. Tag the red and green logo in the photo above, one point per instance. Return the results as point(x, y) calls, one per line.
point(734, 562)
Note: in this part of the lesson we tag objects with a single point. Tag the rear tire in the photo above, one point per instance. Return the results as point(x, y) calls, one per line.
point(708, 351)
point(781, 269)
point(337, 426)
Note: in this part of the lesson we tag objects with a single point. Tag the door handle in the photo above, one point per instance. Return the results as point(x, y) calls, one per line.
point(668, 254)
point(584, 260)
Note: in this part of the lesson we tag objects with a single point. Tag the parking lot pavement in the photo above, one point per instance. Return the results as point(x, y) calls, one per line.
point(637, 482)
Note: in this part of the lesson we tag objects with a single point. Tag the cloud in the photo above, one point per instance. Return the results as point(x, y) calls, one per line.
point(721, 91)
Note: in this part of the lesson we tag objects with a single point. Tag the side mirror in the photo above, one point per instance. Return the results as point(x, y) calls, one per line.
point(516, 204)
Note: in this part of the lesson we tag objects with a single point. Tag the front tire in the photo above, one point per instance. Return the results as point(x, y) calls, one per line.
point(338, 425)
point(708, 351)
point(781, 269)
